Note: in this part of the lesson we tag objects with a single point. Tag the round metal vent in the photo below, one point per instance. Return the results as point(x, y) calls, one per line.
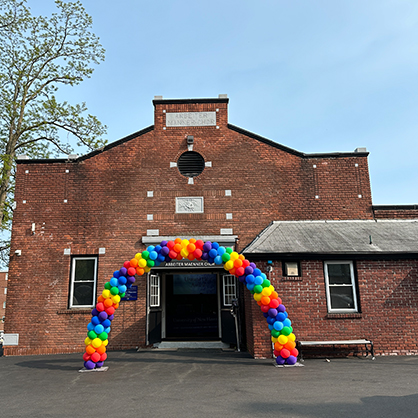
point(190, 164)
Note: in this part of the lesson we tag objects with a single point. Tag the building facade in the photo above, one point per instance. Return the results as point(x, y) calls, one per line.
point(193, 175)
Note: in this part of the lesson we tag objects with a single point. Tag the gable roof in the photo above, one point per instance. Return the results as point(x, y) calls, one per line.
point(337, 237)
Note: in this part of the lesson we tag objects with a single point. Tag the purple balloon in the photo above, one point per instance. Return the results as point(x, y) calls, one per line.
point(167, 258)
point(291, 360)
point(207, 246)
point(94, 312)
point(272, 312)
point(110, 317)
point(164, 243)
point(89, 364)
point(248, 270)
point(241, 279)
point(165, 251)
point(102, 315)
point(280, 360)
point(265, 314)
point(253, 265)
point(205, 256)
point(123, 271)
point(130, 279)
point(99, 364)
point(281, 308)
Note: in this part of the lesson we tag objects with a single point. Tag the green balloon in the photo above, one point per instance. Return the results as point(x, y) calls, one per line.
point(108, 285)
point(286, 331)
point(150, 263)
point(266, 283)
point(275, 333)
point(103, 336)
point(122, 295)
point(225, 257)
point(114, 290)
point(145, 255)
point(258, 288)
point(229, 250)
point(92, 335)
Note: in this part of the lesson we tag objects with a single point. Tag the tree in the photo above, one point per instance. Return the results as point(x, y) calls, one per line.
point(37, 55)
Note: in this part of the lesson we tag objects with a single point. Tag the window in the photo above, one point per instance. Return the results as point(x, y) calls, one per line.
point(4, 305)
point(291, 269)
point(230, 289)
point(340, 286)
point(83, 282)
point(154, 290)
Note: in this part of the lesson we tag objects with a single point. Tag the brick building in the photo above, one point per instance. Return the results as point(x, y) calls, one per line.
point(344, 268)
point(3, 294)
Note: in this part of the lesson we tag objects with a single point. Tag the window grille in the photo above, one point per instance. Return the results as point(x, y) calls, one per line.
point(230, 289)
point(154, 290)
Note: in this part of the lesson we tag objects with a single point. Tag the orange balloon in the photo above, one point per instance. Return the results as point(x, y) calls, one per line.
point(100, 298)
point(108, 303)
point(192, 240)
point(90, 350)
point(242, 257)
point(278, 346)
point(140, 271)
point(116, 305)
point(290, 345)
point(134, 263)
point(274, 295)
point(177, 248)
point(265, 300)
point(237, 263)
point(191, 247)
point(101, 349)
point(191, 256)
point(177, 241)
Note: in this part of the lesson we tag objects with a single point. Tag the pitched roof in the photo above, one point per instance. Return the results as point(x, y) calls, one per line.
point(337, 237)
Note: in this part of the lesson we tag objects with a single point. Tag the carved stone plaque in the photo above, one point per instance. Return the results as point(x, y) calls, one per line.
point(190, 119)
point(189, 204)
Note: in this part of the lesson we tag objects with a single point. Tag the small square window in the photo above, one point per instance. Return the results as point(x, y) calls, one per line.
point(83, 282)
point(291, 269)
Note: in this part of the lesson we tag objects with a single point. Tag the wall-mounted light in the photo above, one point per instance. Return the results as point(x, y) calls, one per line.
point(190, 142)
point(18, 253)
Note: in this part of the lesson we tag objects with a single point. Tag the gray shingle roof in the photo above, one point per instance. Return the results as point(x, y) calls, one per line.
point(337, 237)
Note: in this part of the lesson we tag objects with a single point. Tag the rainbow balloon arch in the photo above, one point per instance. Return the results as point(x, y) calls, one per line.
point(274, 311)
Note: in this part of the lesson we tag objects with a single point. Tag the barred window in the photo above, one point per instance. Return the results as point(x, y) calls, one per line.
point(230, 289)
point(154, 290)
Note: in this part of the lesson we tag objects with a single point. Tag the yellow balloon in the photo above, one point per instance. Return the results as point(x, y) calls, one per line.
point(184, 253)
point(258, 296)
point(234, 256)
point(147, 269)
point(274, 339)
point(185, 243)
point(271, 287)
point(116, 298)
point(106, 293)
point(292, 337)
point(282, 339)
point(105, 342)
point(97, 342)
point(142, 263)
point(266, 291)
point(229, 265)
point(138, 256)
point(87, 341)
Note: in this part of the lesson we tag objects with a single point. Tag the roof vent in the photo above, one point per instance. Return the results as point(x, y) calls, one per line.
point(190, 164)
point(361, 149)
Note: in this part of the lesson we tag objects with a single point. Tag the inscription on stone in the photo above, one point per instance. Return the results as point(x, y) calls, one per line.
point(189, 204)
point(190, 119)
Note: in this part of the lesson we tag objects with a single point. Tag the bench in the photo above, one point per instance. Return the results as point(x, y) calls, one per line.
point(370, 350)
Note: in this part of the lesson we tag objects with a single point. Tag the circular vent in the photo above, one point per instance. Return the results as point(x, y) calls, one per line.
point(191, 164)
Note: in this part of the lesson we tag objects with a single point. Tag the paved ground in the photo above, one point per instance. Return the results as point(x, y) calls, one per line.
point(189, 383)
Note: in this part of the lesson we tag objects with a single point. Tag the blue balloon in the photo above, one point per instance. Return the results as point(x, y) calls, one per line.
point(250, 286)
point(271, 320)
point(221, 251)
point(258, 280)
point(278, 325)
point(98, 329)
point(250, 279)
point(270, 327)
point(281, 316)
point(114, 282)
point(122, 280)
point(90, 326)
point(218, 260)
point(257, 272)
point(153, 255)
point(150, 248)
point(122, 288)
point(107, 330)
point(158, 249)
point(211, 260)
point(287, 322)
point(215, 245)
point(106, 323)
point(116, 273)
point(95, 320)
point(161, 258)
point(213, 253)
point(263, 275)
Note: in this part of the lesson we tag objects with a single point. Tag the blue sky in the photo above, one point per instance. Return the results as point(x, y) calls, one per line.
point(316, 76)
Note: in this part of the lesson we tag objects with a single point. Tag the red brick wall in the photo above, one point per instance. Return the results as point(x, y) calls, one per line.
point(388, 296)
point(396, 212)
point(3, 286)
point(101, 201)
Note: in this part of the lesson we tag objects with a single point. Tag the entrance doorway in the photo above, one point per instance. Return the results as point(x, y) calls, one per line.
point(191, 306)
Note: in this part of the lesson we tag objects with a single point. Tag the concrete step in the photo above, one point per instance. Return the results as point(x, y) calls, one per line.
point(170, 345)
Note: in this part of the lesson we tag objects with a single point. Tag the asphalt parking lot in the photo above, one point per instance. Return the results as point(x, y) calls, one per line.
point(210, 383)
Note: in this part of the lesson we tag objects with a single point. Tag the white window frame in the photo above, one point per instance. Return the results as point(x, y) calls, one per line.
point(229, 284)
point(352, 285)
point(154, 291)
point(73, 264)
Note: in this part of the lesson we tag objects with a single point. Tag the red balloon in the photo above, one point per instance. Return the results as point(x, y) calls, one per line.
point(274, 303)
point(265, 308)
point(245, 263)
point(276, 353)
point(172, 254)
point(127, 264)
point(95, 357)
point(294, 352)
point(240, 271)
point(197, 253)
point(170, 245)
point(199, 244)
point(103, 357)
point(86, 357)
point(110, 310)
point(131, 271)
point(100, 307)
point(285, 353)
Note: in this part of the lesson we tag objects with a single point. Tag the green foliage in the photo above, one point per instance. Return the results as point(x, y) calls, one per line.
point(38, 55)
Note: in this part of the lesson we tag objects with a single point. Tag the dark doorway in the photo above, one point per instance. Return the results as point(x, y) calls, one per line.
point(192, 306)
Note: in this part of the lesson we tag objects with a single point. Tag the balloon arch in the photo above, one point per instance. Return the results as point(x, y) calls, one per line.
point(256, 282)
